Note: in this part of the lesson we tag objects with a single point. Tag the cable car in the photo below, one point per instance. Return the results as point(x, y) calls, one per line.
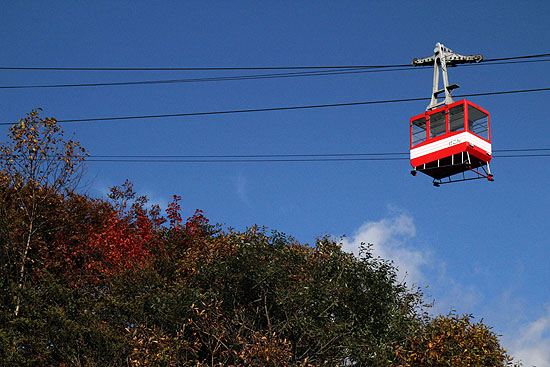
point(450, 141)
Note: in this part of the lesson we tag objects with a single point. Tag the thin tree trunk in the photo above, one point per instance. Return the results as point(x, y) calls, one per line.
point(21, 274)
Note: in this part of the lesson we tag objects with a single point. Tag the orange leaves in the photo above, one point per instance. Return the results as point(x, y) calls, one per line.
point(226, 341)
point(154, 347)
point(455, 341)
point(270, 349)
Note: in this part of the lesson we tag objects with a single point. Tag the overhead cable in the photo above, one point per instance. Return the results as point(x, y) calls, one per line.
point(245, 77)
point(518, 57)
point(287, 158)
point(320, 157)
point(286, 155)
point(283, 160)
point(384, 155)
point(305, 67)
point(222, 68)
point(243, 160)
point(269, 109)
point(211, 79)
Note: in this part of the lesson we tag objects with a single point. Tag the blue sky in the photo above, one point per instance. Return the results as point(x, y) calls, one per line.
point(482, 248)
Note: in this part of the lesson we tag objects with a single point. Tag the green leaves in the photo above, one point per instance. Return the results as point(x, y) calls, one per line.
point(99, 283)
point(36, 165)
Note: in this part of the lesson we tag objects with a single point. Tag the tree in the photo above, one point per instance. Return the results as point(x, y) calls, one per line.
point(329, 306)
point(206, 297)
point(453, 341)
point(94, 282)
point(37, 165)
point(127, 237)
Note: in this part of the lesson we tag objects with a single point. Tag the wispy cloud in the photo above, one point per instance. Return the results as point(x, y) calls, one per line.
point(389, 237)
point(394, 238)
point(453, 296)
point(102, 190)
point(531, 343)
point(241, 187)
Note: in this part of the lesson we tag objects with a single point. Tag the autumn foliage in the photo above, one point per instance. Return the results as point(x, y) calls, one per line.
point(453, 340)
point(112, 282)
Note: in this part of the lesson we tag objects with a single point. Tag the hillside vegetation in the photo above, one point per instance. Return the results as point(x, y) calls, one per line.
point(112, 282)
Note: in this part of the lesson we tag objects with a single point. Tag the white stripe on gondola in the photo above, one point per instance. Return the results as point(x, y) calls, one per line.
point(449, 142)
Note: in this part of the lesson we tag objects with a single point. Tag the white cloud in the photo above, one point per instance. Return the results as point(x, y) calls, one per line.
point(241, 184)
point(392, 239)
point(531, 344)
point(456, 297)
point(388, 237)
point(153, 198)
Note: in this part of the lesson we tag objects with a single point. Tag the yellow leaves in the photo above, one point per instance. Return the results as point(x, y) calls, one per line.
point(454, 340)
point(37, 152)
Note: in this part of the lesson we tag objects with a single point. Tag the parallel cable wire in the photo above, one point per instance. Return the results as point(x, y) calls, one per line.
point(279, 160)
point(518, 57)
point(344, 71)
point(522, 150)
point(283, 160)
point(326, 157)
point(322, 155)
point(333, 70)
point(211, 79)
point(330, 157)
point(489, 63)
point(286, 155)
point(264, 158)
point(60, 68)
point(224, 68)
point(225, 112)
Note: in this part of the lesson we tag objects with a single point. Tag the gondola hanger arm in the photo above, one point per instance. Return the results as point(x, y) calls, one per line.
point(451, 58)
point(442, 58)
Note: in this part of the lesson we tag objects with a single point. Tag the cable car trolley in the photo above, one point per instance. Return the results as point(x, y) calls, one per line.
point(451, 141)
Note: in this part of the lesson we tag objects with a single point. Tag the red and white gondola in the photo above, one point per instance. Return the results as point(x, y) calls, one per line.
point(451, 141)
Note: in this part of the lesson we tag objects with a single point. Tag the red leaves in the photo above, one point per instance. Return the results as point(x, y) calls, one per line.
point(173, 211)
point(124, 245)
point(99, 239)
point(126, 241)
point(196, 224)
